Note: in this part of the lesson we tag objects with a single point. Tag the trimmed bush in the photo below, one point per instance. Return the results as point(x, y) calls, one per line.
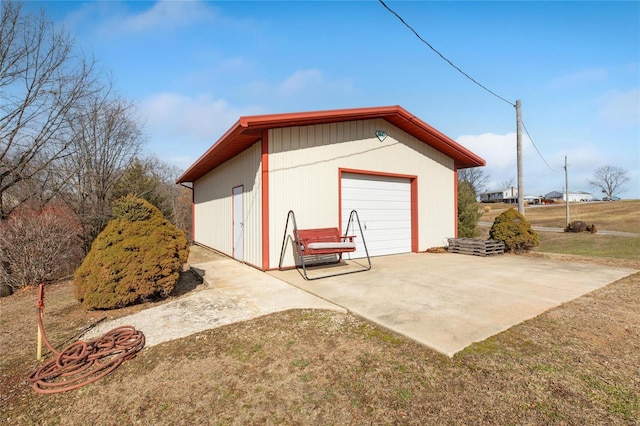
point(580, 226)
point(137, 257)
point(576, 226)
point(515, 231)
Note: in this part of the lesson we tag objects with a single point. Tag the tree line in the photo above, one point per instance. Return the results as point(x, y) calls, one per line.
point(69, 146)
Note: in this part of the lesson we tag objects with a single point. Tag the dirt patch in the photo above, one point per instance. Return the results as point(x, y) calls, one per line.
point(575, 364)
point(199, 254)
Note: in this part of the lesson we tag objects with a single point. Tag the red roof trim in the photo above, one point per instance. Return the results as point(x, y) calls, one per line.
point(248, 130)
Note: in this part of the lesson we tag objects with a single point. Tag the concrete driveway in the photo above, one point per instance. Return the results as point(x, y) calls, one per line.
point(444, 301)
point(232, 292)
point(448, 301)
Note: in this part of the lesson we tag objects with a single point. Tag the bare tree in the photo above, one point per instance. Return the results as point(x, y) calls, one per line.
point(610, 180)
point(507, 184)
point(106, 138)
point(37, 245)
point(476, 178)
point(178, 199)
point(42, 84)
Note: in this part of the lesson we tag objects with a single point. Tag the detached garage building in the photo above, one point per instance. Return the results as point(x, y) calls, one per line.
point(398, 172)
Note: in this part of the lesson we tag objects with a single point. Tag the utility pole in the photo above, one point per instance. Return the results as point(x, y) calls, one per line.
point(566, 190)
point(519, 156)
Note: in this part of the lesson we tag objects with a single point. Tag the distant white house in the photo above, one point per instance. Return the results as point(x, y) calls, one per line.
point(500, 196)
point(575, 196)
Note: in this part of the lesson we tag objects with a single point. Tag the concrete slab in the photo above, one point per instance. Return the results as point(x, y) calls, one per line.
point(448, 301)
point(234, 292)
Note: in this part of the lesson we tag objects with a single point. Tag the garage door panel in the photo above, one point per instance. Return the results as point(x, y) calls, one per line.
point(396, 188)
point(374, 206)
point(384, 208)
point(381, 225)
point(397, 196)
point(390, 235)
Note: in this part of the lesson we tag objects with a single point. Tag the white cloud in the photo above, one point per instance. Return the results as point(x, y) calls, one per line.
point(178, 124)
point(538, 177)
point(167, 14)
point(621, 109)
point(306, 89)
point(118, 19)
point(197, 118)
point(581, 77)
point(499, 151)
point(181, 127)
point(301, 81)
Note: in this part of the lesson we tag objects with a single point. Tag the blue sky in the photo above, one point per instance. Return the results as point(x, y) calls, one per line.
point(194, 67)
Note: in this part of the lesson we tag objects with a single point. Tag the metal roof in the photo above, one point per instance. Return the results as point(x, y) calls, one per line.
point(248, 130)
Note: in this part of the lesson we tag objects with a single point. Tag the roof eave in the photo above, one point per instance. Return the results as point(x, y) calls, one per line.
point(191, 173)
point(396, 115)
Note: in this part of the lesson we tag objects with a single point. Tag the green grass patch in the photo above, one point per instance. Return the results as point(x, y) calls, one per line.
point(403, 396)
point(485, 347)
point(300, 363)
point(380, 335)
point(595, 245)
point(619, 399)
point(245, 351)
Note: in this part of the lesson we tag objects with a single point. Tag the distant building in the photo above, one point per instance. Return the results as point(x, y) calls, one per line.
point(575, 196)
point(500, 196)
point(532, 199)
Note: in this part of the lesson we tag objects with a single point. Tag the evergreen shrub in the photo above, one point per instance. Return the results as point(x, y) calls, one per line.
point(468, 211)
point(137, 257)
point(515, 231)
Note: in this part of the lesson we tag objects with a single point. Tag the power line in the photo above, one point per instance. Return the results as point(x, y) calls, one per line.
point(463, 73)
point(442, 56)
point(537, 150)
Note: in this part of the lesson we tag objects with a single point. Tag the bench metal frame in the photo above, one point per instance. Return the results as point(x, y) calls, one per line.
point(305, 251)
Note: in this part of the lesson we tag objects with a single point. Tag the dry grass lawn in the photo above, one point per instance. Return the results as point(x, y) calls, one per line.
point(621, 215)
point(576, 364)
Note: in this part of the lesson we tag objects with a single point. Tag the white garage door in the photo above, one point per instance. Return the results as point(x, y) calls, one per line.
point(384, 207)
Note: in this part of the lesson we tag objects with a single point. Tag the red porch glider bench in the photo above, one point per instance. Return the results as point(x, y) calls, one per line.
point(322, 241)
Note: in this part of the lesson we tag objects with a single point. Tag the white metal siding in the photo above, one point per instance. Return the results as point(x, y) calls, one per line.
point(303, 176)
point(214, 206)
point(383, 205)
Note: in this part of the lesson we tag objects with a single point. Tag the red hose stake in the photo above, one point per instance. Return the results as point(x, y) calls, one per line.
point(82, 363)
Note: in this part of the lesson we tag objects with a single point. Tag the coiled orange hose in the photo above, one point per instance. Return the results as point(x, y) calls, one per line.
point(81, 362)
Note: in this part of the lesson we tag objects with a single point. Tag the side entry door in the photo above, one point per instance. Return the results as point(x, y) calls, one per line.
point(238, 224)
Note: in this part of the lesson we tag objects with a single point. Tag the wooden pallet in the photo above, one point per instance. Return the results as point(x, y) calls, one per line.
point(475, 246)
